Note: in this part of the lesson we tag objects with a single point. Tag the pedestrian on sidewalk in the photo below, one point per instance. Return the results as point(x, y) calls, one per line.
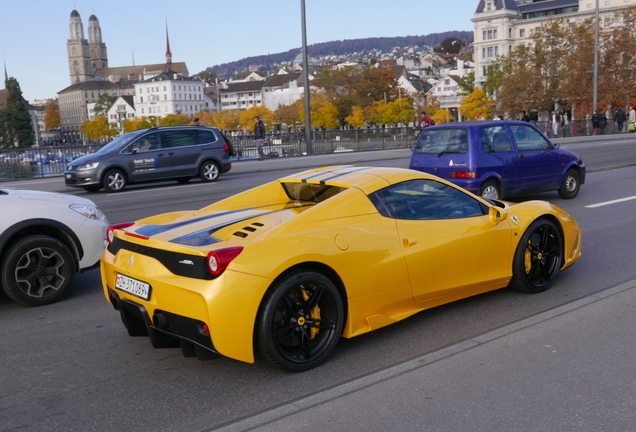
point(259, 137)
point(631, 125)
point(620, 118)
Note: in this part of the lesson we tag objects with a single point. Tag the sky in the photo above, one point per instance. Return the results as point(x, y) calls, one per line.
point(204, 33)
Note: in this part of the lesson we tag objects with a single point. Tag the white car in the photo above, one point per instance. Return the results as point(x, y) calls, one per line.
point(45, 238)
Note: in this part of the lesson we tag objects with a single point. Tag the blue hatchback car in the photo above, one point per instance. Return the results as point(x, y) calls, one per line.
point(498, 159)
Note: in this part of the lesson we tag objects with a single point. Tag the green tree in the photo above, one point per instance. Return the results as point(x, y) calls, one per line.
point(15, 121)
point(104, 102)
point(466, 84)
point(52, 118)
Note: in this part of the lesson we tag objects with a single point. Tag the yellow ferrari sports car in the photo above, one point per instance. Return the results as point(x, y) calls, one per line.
point(283, 270)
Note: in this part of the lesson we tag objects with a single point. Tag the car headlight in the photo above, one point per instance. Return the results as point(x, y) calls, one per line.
point(88, 166)
point(89, 211)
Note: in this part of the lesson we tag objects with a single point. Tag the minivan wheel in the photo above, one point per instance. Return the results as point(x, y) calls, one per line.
point(209, 171)
point(490, 189)
point(114, 181)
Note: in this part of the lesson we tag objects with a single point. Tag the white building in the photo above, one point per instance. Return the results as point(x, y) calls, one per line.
point(122, 109)
point(502, 25)
point(169, 93)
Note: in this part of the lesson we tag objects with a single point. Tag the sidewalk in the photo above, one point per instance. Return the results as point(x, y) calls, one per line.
point(568, 369)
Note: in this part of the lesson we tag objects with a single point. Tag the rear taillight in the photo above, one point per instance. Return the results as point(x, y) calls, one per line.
point(463, 174)
point(219, 259)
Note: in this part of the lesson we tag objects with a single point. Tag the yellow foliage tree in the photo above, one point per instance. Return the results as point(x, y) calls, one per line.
point(137, 123)
point(97, 128)
point(476, 103)
point(324, 114)
point(173, 120)
point(394, 112)
point(442, 116)
point(288, 114)
point(226, 119)
point(264, 113)
point(357, 119)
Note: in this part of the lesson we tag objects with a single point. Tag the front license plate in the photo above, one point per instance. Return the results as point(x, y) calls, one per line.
point(133, 286)
point(68, 176)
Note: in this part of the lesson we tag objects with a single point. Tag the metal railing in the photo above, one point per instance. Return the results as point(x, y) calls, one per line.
point(17, 164)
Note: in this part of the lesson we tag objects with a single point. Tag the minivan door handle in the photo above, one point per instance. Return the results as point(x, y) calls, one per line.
point(521, 156)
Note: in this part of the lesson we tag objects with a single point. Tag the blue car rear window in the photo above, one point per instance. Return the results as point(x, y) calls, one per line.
point(446, 140)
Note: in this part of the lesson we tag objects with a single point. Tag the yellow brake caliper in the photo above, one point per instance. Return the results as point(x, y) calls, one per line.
point(527, 259)
point(315, 315)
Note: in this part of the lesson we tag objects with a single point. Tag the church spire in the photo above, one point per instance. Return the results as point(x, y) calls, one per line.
point(168, 53)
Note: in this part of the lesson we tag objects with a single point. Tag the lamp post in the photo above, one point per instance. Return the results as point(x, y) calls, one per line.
point(595, 99)
point(306, 79)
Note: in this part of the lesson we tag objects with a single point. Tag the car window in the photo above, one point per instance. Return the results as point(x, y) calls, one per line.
point(427, 200)
point(204, 137)
point(528, 138)
point(151, 141)
point(495, 139)
point(443, 140)
point(178, 138)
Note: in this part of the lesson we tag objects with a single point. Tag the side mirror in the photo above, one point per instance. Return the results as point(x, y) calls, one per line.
point(556, 145)
point(497, 214)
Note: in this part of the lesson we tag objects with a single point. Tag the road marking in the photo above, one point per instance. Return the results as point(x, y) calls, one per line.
point(147, 190)
point(616, 201)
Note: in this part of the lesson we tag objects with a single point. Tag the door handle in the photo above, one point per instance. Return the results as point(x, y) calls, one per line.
point(521, 156)
point(409, 242)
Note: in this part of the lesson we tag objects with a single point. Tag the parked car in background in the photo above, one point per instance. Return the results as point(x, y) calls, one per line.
point(282, 271)
point(163, 153)
point(45, 238)
point(498, 159)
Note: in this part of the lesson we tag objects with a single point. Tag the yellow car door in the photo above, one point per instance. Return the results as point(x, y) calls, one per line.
point(450, 243)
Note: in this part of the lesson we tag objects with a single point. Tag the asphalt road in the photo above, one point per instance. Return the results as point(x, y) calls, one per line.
point(72, 366)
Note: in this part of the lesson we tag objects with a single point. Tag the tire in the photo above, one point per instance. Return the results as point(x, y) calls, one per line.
point(571, 184)
point(115, 181)
point(538, 257)
point(294, 331)
point(209, 171)
point(93, 188)
point(37, 270)
point(490, 189)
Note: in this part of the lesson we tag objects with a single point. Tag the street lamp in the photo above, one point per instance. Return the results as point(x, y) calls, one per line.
point(595, 99)
point(306, 79)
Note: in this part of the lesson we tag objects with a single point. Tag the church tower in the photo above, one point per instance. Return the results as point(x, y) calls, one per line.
point(78, 57)
point(97, 49)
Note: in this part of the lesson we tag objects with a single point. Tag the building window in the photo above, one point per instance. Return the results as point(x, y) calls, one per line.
point(509, 33)
point(490, 34)
point(522, 33)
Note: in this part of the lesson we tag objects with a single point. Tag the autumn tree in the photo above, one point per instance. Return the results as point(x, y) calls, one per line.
point(324, 114)
point(247, 118)
point(476, 103)
point(451, 45)
point(357, 119)
point(226, 119)
point(394, 112)
point(288, 114)
point(173, 120)
point(97, 128)
point(137, 123)
point(52, 118)
point(15, 121)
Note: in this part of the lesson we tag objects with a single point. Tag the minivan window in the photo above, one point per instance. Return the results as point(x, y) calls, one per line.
point(528, 138)
point(178, 138)
point(443, 140)
point(118, 142)
point(151, 141)
point(204, 137)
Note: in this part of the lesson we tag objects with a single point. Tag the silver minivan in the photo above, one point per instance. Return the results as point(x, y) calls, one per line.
point(162, 153)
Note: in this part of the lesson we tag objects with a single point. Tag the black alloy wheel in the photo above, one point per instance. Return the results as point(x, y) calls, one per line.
point(37, 270)
point(300, 322)
point(538, 257)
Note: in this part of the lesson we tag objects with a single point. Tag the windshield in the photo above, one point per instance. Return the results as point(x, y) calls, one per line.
point(120, 142)
point(443, 140)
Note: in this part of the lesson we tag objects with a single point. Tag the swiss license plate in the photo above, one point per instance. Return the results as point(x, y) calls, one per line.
point(133, 286)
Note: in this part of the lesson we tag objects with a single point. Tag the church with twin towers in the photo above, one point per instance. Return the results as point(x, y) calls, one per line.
point(85, 57)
